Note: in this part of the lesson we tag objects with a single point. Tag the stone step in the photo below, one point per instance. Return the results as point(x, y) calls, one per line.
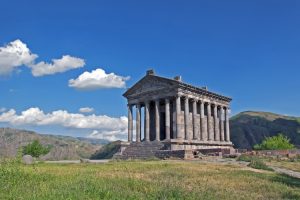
point(141, 150)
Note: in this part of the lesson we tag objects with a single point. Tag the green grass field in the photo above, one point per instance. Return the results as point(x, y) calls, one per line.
point(295, 166)
point(143, 180)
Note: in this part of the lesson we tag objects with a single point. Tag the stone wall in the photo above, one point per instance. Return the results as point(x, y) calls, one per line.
point(278, 152)
point(180, 154)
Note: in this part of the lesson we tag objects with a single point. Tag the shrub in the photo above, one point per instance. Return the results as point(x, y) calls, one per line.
point(279, 142)
point(35, 149)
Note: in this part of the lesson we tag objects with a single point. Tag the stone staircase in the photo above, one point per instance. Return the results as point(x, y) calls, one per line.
point(141, 150)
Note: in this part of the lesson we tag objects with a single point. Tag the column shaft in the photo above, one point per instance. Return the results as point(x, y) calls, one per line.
point(227, 125)
point(203, 124)
point(157, 121)
point(147, 122)
point(186, 118)
point(222, 124)
point(216, 123)
point(130, 123)
point(209, 123)
point(138, 122)
point(168, 122)
point(179, 133)
point(196, 135)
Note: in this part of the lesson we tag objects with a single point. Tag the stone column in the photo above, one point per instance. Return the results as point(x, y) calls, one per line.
point(130, 123)
point(222, 123)
point(203, 124)
point(147, 122)
point(186, 118)
point(227, 137)
point(157, 121)
point(209, 123)
point(168, 122)
point(179, 134)
point(195, 130)
point(138, 123)
point(216, 123)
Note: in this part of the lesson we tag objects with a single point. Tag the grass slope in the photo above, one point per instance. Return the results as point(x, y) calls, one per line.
point(145, 180)
point(250, 128)
point(107, 151)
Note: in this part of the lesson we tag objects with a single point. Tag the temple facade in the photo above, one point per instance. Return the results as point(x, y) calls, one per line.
point(176, 114)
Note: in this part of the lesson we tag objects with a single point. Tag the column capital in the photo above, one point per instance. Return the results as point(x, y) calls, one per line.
point(226, 109)
point(194, 100)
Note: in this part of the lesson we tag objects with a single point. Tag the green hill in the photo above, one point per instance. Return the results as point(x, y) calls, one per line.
point(107, 151)
point(250, 128)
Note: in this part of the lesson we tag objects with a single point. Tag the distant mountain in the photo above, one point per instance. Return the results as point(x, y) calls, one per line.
point(93, 141)
point(250, 128)
point(107, 151)
point(63, 147)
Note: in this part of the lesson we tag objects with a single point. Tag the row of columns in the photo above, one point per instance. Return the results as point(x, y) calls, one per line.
point(207, 131)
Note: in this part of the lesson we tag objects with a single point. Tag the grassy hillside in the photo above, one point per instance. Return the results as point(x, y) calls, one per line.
point(250, 128)
point(107, 151)
point(145, 180)
point(63, 147)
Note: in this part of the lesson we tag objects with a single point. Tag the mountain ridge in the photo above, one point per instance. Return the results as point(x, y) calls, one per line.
point(251, 127)
point(63, 147)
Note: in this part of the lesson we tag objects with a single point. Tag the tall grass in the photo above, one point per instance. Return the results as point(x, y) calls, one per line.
point(141, 180)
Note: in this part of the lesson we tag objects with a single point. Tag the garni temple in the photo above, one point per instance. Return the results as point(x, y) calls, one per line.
point(170, 118)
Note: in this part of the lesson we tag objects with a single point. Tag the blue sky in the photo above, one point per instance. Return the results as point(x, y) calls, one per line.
point(249, 50)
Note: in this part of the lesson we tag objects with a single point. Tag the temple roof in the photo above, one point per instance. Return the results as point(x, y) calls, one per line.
point(176, 83)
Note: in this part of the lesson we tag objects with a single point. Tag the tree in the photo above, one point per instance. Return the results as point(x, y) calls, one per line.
point(35, 149)
point(278, 142)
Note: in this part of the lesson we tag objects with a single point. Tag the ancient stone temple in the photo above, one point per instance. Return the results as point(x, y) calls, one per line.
point(172, 118)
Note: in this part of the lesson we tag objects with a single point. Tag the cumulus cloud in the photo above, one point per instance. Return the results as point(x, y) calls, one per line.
point(2, 109)
point(108, 135)
point(103, 124)
point(57, 66)
point(17, 54)
point(98, 79)
point(14, 55)
point(86, 110)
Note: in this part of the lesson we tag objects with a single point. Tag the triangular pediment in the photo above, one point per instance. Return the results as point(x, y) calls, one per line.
point(150, 83)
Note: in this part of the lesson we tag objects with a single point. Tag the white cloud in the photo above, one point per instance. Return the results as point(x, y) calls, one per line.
point(17, 54)
point(103, 124)
point(98, 79)
point(108, 135)
point(14, 55)
point(57, 66)
point(2, 109)
point(86, 110)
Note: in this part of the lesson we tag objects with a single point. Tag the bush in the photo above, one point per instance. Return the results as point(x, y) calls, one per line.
point(279, 142)
point(35, 149)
